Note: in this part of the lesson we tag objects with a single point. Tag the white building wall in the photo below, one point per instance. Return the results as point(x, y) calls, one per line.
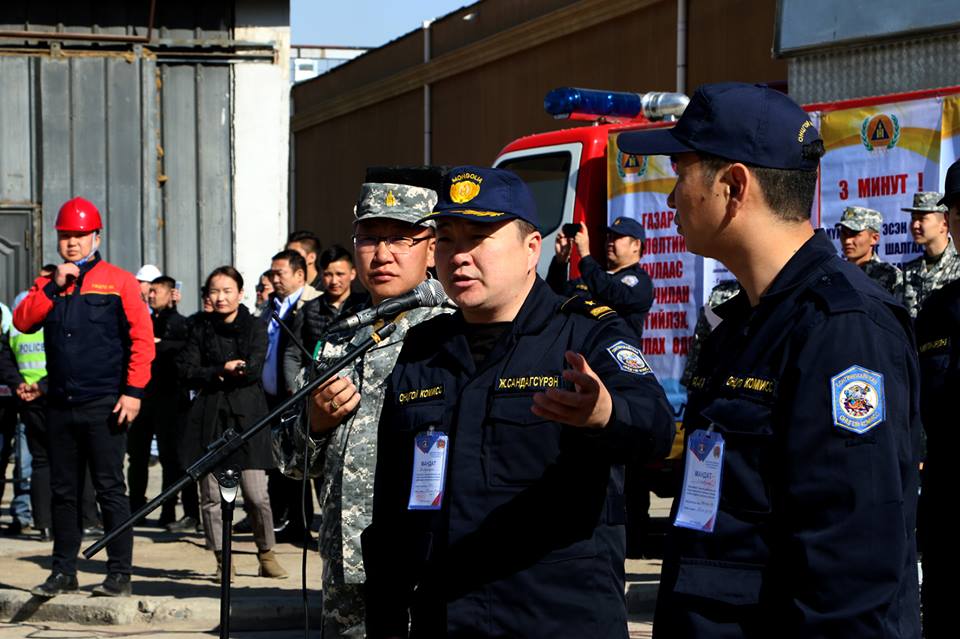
point(261, 134)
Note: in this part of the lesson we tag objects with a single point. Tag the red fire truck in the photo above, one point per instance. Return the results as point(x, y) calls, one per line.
point(567, 169)
point(567, 172)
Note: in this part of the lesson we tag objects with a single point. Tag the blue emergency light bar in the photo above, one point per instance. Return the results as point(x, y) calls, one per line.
point(563, 102)
point(580, 104)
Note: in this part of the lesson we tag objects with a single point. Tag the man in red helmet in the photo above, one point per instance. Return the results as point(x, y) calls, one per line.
point(99, 345)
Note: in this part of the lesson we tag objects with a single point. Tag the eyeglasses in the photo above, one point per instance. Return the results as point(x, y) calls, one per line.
point(396, 244)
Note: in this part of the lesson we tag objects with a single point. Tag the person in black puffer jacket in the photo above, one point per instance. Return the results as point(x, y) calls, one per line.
point(223, 360)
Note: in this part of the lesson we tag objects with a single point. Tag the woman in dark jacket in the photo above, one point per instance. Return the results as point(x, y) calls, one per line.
point(223, 360)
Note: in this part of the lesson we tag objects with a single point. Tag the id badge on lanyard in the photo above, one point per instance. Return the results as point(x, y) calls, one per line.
point(429, 470)
point(700, 496)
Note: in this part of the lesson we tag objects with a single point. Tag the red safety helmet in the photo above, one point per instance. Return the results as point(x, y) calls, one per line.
point(80, 215)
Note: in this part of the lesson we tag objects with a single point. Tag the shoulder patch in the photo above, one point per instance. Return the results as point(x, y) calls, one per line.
point(630, 280)
point(629, 358)
point(589, 308)
point(858, 399)
point(836, 291)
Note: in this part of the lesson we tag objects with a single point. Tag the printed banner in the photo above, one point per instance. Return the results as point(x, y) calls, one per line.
point(949, 136)
point(878, 157)
point(638, 187)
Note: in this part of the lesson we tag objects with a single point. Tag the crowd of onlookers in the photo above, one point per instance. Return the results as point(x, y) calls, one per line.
point(192, 397)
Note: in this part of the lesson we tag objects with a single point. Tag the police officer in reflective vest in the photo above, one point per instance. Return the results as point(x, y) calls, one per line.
point(798, 499)
point(28, 351)
point(498, 504)
point(99, 345)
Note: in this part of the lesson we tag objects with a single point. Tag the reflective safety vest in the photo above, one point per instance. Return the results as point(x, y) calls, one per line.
point(30, 355)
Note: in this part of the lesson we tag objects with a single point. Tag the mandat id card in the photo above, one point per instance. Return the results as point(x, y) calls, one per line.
point(429, 470)
point(700, 496)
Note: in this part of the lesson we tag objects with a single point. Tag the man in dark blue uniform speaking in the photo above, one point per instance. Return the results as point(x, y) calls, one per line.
point(798, 501)
point(498, 500)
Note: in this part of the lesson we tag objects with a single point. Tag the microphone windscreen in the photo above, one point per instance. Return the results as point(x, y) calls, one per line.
point(430, 292)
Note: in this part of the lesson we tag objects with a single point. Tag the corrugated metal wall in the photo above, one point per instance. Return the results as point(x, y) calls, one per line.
point(331, 159)
point(174, 18)
point(88, 116)
point(195, 232)
point(148, 143)
point(477, 112)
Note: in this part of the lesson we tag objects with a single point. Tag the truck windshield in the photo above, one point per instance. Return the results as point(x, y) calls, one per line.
point(547, 176)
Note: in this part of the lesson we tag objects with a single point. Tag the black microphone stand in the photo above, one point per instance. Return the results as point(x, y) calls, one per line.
point(229, 480)
point(218, 451)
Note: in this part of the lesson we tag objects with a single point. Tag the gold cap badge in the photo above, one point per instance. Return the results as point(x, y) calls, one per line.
point(463, 191)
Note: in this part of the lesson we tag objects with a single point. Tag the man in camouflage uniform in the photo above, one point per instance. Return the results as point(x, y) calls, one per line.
point(707, 320)
point(392, 253)
point(860, 230)
point(939, 263)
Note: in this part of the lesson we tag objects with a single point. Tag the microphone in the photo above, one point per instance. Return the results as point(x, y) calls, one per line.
point(428, 293)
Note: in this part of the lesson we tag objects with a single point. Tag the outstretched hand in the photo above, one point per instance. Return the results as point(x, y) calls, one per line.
point(589, 405)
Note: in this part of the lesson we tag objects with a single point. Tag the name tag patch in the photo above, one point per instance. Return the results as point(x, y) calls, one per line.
point(858, 399)
point(943, 342)
point(756, 384)
point(420, 394)
point(629, 358)
point(528, 382)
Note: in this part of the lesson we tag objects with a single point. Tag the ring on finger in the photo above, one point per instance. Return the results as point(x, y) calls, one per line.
point(334, 405)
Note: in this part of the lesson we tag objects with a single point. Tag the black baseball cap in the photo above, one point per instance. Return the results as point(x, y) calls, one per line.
point(951, 185)
point(749, 123)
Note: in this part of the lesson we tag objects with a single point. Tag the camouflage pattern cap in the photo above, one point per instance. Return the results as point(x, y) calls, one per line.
point(926, 202)
point(395, 202)
point(860, 218)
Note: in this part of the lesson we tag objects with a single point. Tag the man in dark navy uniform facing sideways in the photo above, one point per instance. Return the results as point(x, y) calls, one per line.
point(938, 340)
point(798, 499)
point(498, 500)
